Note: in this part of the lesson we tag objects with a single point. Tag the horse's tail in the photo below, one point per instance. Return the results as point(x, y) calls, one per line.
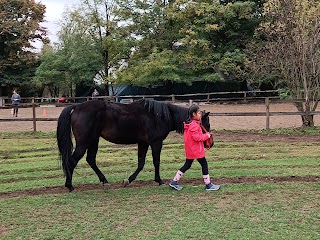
point(64, 139)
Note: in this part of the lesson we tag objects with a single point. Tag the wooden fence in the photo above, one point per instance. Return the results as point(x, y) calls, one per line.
point(35, 102)
point(208, 97)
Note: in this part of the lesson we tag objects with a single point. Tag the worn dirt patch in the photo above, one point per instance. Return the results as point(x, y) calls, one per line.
point(3, 230)
point(137, 184)
point(256, 137)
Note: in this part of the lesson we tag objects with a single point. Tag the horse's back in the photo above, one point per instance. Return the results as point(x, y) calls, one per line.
point(119, 123)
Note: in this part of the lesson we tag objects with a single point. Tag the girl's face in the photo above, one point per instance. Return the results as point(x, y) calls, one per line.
point(197, 115)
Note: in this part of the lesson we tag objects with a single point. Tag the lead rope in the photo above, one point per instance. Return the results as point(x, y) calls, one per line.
point(205, 131)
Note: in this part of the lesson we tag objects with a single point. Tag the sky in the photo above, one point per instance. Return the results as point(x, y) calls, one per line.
point(54, 10)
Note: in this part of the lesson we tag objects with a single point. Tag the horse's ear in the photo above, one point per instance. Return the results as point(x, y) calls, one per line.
point(206, 114)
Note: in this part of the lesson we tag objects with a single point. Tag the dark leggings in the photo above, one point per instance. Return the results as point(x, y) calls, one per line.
point(202, 161)
point(15, 109)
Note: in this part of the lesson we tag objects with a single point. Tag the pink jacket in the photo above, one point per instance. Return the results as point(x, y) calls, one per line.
point(193, 140)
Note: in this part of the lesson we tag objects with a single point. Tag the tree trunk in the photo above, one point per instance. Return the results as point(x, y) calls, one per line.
point(106, 71)
point(307, 120)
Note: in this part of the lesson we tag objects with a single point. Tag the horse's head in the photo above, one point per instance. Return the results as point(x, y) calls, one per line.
point(205, 120)
point(206, 123)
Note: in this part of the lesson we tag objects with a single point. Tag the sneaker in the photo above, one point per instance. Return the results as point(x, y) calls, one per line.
point(175, 185)
point(212, 187)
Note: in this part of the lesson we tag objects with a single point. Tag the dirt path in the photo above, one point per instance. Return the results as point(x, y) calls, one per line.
point(217, 122)
point(137, 184)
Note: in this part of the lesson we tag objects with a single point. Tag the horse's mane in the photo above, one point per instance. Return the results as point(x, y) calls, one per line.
point(172, 115)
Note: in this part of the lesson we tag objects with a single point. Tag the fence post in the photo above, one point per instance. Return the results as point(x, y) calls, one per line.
point(173, 99)
point(208, 97)
point(245, 97)
point(34, 116)
point(267, 101)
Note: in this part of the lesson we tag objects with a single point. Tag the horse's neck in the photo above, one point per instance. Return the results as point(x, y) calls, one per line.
point(180, 115)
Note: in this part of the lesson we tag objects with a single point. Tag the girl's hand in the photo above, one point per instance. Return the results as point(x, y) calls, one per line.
point(209, 134)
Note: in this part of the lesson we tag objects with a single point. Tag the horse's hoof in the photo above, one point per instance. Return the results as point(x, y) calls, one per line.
point(160, 182)
point(104, 181)
point(125, 182)
point(71, 189)
point(106, 185)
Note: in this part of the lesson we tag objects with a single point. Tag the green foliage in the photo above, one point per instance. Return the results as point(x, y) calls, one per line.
point(76, 61)
point(214, 34)
point(92, 44)
point(155, 33)
point(205, 39)
point(19, 27)
point(231, 62)
point(137, 42)
point(82, 60)
point(284, 94)
point(158, 68)
point(50, 72)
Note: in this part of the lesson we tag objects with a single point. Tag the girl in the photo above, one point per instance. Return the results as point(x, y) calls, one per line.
point(194, 149)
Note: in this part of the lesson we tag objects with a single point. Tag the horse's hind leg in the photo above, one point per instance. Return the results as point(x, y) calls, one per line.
point(76, 156)
point(142, 152)
point(156, 150)
point(91, 160)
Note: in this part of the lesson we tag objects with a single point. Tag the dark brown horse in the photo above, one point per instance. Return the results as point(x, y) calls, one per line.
point(144, 122)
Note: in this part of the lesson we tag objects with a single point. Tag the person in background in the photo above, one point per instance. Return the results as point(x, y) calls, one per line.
point(62, 99)
point(95, 94)
point(194, 149)
point(15, 98)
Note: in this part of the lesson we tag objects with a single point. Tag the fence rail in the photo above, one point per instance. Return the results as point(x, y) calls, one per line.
point(212, 96)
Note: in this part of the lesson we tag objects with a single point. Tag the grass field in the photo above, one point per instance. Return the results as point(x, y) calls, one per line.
point(256, 209)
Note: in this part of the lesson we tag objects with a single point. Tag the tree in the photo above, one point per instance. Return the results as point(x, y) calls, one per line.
point(19, 28)
point(99, 21)
point(215, 35)
point(158, 68)
point(93, 26)
point(63, 68)
point(204, 39)
point(51, 72)
point(90, 44)
point(288, 48)
point(154, 59)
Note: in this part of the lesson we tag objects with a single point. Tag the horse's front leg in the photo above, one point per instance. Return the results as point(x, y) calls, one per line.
point(142, 152)
point(156, 150)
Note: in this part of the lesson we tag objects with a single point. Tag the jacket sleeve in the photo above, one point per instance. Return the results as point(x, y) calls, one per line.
point(196, 135)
